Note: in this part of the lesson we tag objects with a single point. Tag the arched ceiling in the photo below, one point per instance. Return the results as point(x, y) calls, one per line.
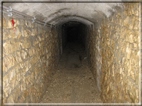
point(64, 19)
point(49, 12)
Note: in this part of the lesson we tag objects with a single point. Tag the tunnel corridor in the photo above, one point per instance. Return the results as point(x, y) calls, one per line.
point(73, 82)
point(71, 53)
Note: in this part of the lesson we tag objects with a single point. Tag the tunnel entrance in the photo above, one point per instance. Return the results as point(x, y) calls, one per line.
point(73, 81)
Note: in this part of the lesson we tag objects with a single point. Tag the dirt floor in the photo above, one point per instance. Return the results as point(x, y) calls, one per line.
point(73, 82)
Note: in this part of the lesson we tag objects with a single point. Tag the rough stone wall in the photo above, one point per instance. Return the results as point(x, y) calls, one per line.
point(94, 53)
point(89, 47)
point(29, 55)
point(97, 56)
point(120, 45)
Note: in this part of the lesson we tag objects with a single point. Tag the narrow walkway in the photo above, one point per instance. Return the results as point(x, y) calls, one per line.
point(73, 81)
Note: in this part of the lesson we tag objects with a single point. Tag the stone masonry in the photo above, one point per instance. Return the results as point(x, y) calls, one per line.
point(30, 53)
point(116, 54)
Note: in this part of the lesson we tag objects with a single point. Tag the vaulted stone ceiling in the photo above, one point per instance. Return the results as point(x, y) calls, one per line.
point(49, 12)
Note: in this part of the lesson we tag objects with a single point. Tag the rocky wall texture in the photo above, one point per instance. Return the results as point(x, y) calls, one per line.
point(97, 57)
point(94, 53)
point(120, 44)
point(29, 56)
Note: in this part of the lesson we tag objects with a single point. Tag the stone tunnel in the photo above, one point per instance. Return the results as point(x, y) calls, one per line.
point(71, 52)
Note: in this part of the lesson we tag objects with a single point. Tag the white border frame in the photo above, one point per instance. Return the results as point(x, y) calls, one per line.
point(140, 77)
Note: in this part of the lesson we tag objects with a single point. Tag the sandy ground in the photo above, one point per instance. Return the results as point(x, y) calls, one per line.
point(73, 82)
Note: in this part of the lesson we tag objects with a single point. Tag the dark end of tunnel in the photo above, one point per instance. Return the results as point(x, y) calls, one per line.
point(74, 32)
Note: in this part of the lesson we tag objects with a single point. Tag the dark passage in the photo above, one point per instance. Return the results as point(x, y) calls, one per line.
point(73, 82)
point(74, 32)
point(73, 37)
